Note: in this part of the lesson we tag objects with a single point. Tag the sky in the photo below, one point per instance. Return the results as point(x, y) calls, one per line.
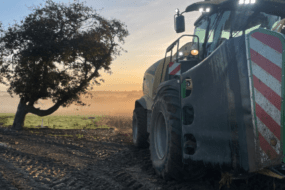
point(150, 24)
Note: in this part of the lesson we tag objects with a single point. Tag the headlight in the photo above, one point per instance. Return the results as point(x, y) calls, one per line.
point(194, 52)
point(246, 2)
point(180, 54)
point(206, 10)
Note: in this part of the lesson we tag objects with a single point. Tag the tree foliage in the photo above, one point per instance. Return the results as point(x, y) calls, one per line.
point(72, 35)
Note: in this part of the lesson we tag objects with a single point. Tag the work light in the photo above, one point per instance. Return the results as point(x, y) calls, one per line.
point(241, 1)
point(194, 52)
point(201, 10)
point(246, 2)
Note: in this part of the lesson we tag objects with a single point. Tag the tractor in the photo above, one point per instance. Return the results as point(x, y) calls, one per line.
point(217, 100)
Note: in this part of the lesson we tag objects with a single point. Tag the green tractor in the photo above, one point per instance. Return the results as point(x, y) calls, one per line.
point(218, 101)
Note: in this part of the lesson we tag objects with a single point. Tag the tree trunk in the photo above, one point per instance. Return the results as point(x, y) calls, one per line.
point(20, 116)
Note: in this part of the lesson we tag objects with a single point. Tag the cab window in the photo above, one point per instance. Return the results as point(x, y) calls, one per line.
point(268, 22)
point(213, 21)
point(218, 31)
point(247, 21)
point(200, 31)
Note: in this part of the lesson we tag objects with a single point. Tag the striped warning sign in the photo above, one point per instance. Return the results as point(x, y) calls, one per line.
point(174, 68)
point(265, 51)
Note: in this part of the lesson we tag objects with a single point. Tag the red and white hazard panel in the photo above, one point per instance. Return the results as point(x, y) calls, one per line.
point(265, 52)
point(174, 68)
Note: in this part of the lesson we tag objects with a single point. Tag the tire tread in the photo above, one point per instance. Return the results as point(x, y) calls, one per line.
point(142, 136)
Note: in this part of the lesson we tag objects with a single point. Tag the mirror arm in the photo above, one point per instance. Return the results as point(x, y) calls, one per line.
point(177, 50)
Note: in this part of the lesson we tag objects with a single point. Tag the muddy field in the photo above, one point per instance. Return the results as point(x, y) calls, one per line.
point(93, 159)
point(36, 159)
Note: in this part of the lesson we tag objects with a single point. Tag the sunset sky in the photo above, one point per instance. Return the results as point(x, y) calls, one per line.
point(149, 22)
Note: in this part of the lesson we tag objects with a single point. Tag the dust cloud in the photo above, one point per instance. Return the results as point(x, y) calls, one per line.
point(113, 103)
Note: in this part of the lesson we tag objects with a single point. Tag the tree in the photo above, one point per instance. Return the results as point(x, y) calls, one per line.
point(72, 35)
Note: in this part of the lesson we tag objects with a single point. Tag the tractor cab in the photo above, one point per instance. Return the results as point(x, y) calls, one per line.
point(222, 20)
point(215, 28)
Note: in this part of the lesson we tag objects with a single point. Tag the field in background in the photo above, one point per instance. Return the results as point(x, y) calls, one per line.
point(112, 103)
point(120, 124)
point(55, 122)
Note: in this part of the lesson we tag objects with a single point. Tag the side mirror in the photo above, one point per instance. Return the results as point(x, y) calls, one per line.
point(179, 23)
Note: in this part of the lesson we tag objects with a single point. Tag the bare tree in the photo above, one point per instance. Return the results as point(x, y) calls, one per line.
point(72, 35)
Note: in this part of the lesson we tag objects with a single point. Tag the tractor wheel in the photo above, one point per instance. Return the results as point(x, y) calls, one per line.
point(140, 135)
point(165, 139)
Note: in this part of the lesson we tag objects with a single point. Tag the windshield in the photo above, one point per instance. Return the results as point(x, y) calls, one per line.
point(200, 31)
point(221, 25)
point(249, 20)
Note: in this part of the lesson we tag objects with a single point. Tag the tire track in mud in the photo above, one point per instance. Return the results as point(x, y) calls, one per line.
point(111, 166)
point(35, 172)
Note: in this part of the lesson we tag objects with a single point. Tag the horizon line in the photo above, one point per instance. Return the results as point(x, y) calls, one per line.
point(104, 91)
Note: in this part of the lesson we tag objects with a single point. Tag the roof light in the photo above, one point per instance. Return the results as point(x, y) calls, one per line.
point(177, 10)
point(241, 1)
point(246, 2)
point(208, 10)
point(253, 1)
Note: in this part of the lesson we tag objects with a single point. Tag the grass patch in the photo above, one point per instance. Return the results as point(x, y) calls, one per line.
point(56, 122)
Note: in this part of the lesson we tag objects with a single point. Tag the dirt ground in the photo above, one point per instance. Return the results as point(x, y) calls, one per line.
point(103, 159)
point(32, 159)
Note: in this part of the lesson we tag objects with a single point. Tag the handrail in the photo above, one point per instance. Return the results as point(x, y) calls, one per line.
point(169, 48)
point(174, 43)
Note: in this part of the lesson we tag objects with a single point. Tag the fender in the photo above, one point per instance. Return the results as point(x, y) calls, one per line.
point(145, 102)
point(140, 103)
point(170, 84)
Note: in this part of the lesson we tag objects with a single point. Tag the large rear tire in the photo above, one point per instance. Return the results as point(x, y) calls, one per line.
point(140, 135)
point(165, 139)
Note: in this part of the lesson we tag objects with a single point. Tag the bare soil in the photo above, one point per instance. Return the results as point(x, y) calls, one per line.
point(101, 159)
point(33, 159)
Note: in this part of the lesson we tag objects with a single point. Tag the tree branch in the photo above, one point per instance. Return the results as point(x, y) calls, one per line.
point(38, 112)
